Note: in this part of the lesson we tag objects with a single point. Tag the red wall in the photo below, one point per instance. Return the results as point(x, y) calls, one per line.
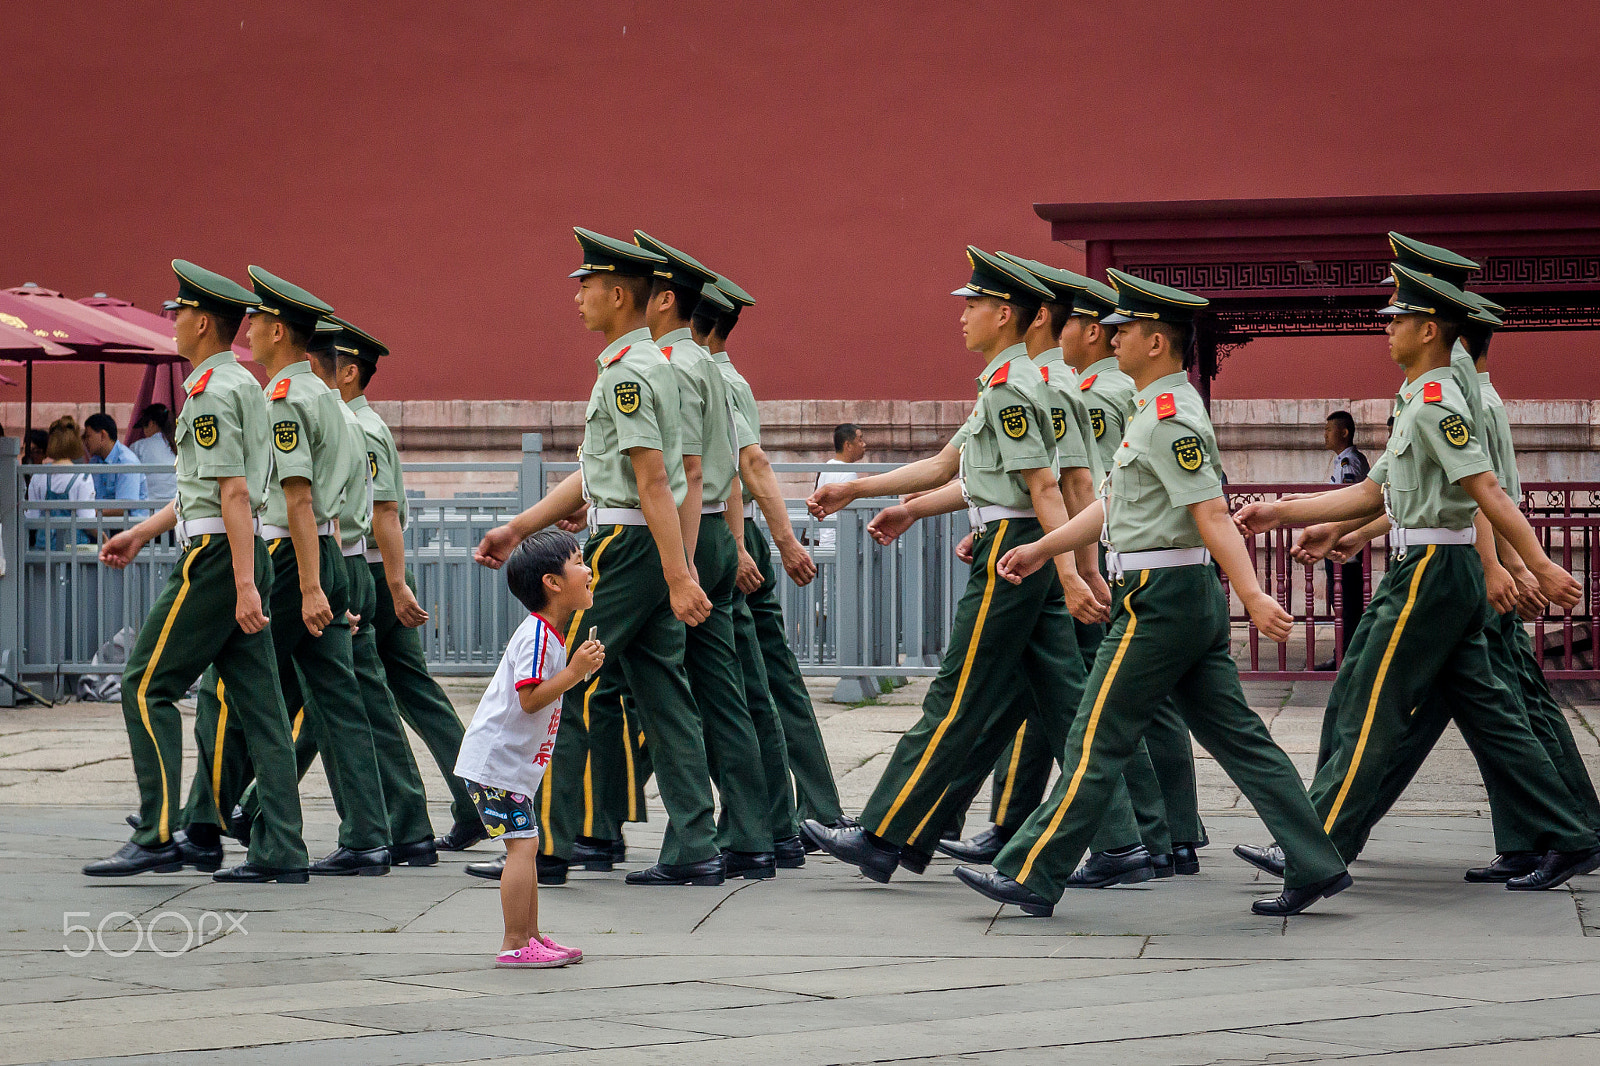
point(420, 165)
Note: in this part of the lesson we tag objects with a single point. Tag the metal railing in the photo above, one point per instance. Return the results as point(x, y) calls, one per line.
point(873, 612)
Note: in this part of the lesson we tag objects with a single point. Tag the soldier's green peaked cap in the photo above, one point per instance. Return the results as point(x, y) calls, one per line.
point(1416, 293)
point(326, 336)
point(1487, 307)
point(993, 276)
point(357, 342)
point(740, 298)
point(274, 296)
point(1085, 296)
point(206, 290)
point(1432, 259)
point(1138, 298)
point(715, 297)
point(602, 254)
point(682, 268)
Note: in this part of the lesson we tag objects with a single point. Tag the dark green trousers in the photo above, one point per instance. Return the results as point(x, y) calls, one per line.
point(1423, 635)
point(417, 696)
point(1550, 724)
point(781, 818)
point(1169, 636)
point(1008, 642)
point(317, 675)
point(815, 793)
point(644, 654)
point(733, 751)
point(192, 625)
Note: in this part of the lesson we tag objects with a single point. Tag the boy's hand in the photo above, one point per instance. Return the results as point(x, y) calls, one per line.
point(1256, 518)
point(1559, 587)
point(1269, 617)
point(589, 657)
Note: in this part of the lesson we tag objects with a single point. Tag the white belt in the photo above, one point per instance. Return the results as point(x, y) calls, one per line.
point(280, 532)
point(197, 527)
point(617, 516)
point(714, 508)
point(358, 548)
point(750, 511)
point(1118, 563)
point(374, 555)
point(980, 517)
point(1401, 539)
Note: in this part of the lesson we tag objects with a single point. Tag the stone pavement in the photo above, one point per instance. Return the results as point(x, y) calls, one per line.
point(818, 967)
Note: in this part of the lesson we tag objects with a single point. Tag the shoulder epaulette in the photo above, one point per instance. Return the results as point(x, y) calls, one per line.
point(1166, 405)
point(205, 379)
point(666, 353)
point(282, 390)
point(1433, 392)
point(619, 354)
point(1046, 372)
point(1087, 383)
point(999, 376)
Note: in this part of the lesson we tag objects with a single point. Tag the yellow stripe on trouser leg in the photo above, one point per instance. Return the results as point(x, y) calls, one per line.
point(627, 757)
point(961, 684)
point(150, 671)
point(548, 844)
point(294, 730)
point(1377, 690)
point(1011, 774)
point(1088, 733)
point(216, 749)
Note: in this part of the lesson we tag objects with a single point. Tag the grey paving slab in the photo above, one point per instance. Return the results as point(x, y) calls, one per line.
point(1457, 1026)
point(408, 1049)
point(87, 1041)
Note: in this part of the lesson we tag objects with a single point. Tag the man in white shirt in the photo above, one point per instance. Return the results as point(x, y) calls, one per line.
point(1350, 467)
point(849, 446)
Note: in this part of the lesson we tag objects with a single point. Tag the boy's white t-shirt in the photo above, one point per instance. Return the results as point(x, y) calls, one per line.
point(505, 747)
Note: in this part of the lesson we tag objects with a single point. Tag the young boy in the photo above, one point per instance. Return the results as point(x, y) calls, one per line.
point(508, 745)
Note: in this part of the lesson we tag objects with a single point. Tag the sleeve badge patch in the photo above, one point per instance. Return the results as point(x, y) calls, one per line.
point(372, 464)
point(1189, 453)
point(1097, 419)
point(205, 429)
point(627, 394)
point(1454, 429)
point(1058, 422)
point(286, 435)
point(1014, 420)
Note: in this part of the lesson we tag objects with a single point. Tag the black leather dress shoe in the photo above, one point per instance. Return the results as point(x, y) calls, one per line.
point(462, 836)
point(345, 862)
point(854, 846)
point(844, 821)
point(1162, 865)
point(132, 820)
point(750, 865)
point(1505, 866)
point(490, 870)
point(1103, 869)
point(979, 850)
point(248, 873)
point(1268, 859)
point(239, 825)
point(1000, 888)
point(1555, 868)
point(708, 872)
point(550, 870)
point(1186, 858)
point(594, 854)
point(790, 854)
point(134, 858)
point(1294, 900)
point(914, 860)
point(206, 860)
point(424, 852)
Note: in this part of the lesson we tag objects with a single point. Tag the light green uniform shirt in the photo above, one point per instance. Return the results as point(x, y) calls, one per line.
point(704, 413)
point(1497, 439)
point(309, 440)
point(1465, 371)
point(1069, 416)
point(355, 516)
point(1162, 466)
point(634, 404)
point(383, 458)
point(1430, 449)
point(1108, 396)
point(221, 432)
point(746, 416)
point(1008, 432)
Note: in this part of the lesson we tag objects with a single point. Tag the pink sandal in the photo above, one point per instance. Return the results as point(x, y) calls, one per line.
point(575, 954)
point(535, 956)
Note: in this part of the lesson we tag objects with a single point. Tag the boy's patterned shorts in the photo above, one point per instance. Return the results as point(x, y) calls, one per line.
point(506, 815)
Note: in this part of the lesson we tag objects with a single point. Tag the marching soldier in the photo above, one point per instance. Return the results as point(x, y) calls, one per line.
point(310, 592)
point(644, 592)
point(1009, 640)
point(211, 610)
point(1428, 612)
point(1165, 518)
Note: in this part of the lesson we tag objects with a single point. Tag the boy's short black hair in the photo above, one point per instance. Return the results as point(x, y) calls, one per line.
point(546, 552)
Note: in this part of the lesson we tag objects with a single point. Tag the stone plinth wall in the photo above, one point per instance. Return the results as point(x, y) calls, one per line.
point(1261, 440)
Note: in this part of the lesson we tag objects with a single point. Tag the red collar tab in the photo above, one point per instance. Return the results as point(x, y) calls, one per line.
point(205, 379)
point(619, 354)
point(282, 390)
point(1087, 383)
point(1046, 372)
point(1433, 392)
point(1166, 405)
point(999, 376)
point(666, 353)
